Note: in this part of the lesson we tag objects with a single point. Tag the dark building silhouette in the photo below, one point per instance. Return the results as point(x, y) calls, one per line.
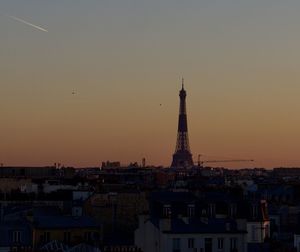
point(182, 156)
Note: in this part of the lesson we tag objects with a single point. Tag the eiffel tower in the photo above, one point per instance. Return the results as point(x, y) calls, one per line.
point(182, 156)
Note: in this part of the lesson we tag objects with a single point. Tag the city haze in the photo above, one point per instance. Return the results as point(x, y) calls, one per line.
point(102, 83)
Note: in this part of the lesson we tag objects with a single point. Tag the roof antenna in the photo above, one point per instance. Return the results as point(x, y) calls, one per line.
point(182, 81)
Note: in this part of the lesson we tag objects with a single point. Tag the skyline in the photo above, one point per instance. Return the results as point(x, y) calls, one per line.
point(124, 58)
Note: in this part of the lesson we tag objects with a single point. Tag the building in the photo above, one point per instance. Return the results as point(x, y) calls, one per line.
point(180, 222)
point(182, 156)
point(69, 230)
point(297, 241)
point(118, 212)
point(27, 172)
point(33, 228)
point(15, 234)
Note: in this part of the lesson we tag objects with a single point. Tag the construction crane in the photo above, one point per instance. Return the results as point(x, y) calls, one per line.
point(200, 163)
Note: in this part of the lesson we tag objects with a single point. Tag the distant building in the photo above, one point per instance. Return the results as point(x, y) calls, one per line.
point(110, 165)
point(286, 172)
point(27, 172)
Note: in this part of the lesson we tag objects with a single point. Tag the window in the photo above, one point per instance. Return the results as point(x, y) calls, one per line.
point(212, 210)
point(191, 243)
point(228, 226)
point(220, 243)
point(267, 231)
point(233, 243)
point(254, 211)
point(176, 244)
point(232, 210)
point(16, 236)
point(67, 237)
point(87, 236)
point(191, 211)
point(208, 244)
point(254, 234)
point(46, 237)
point(167, 211)
point(96, 236)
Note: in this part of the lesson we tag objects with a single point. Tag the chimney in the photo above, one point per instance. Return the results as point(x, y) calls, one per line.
point(142, 219)
point(241, 224)
point(204, 219)
point(165, 224)
point(185, 219)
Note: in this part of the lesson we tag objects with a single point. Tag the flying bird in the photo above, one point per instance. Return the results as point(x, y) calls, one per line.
point(27, 23)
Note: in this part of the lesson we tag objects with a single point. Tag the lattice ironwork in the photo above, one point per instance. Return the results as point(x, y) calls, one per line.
point(182, 156)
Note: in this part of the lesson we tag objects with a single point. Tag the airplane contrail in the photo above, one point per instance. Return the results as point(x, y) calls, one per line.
point(30, 24)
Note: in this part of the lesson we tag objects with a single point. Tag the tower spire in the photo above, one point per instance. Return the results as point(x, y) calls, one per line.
point(182, 82)
point(182, 156)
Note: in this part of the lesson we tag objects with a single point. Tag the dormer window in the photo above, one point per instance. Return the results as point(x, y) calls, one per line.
point(191, 210)
point(167, 211)
point(211, 210)
point(16, 236)
point(232, 210)
point(228, 226)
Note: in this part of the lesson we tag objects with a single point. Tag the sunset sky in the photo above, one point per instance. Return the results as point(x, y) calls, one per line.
point(124, 60)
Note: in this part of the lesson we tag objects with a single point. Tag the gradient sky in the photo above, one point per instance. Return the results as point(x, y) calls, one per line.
point(124, 58)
